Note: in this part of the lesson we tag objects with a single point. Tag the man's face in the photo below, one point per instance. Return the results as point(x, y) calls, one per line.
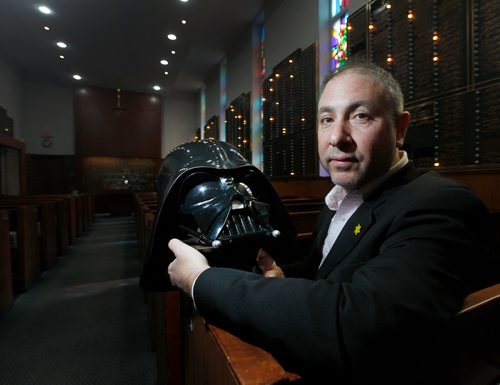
point(357, 138)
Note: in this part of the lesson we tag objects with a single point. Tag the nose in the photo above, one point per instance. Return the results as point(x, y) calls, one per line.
point(339, 134)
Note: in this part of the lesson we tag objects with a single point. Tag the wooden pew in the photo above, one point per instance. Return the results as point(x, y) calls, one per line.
point(214, 356)
point(164, 319)
point(25, 245)
point(167, 334)
point(81, 211)
point(84, 211)
point(304, 212)
point(6, 288)
point(303, 204)
point(72, 210)
point(47, 226)
point(145, 206)
point(470, 352)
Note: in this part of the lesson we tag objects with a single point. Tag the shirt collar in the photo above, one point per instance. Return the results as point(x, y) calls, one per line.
point(337, 194)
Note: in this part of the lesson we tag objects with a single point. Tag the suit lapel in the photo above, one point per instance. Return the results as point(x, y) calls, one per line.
point(324, 219)
point(351, 234)
point(360, 222)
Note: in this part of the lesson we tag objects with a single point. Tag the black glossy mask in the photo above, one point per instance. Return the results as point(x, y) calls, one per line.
point(215, 200)
point(217, 210)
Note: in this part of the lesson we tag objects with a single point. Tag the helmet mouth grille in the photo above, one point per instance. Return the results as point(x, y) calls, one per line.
point(240, 225)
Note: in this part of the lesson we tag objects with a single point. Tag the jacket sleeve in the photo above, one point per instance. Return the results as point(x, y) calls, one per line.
point(406, 281)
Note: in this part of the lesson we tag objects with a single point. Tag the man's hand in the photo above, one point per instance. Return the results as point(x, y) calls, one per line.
point(268, 265)
point(188, 264)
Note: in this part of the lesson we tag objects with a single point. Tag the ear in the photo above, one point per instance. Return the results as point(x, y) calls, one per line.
point(401, 127)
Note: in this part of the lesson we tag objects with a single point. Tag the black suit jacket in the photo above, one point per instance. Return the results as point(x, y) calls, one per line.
point(396, 275)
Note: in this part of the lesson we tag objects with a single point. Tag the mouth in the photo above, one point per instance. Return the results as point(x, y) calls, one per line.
point(342, 162)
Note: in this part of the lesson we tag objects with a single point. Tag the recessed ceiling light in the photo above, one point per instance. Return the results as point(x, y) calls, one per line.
point(61, 44)
point(164, 62)
point(171, 36)
point(45, 9)
point(166, 72)
point(184, 1)
point(157, 88)
point(46, 28)
point(172, 52)
point(77, 77)
point(183, 21)
point(61, 56)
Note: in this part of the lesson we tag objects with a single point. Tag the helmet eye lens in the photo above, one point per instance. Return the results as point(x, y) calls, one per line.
point(212, 205)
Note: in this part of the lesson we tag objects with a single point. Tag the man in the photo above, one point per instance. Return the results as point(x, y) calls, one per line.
point(395, 253)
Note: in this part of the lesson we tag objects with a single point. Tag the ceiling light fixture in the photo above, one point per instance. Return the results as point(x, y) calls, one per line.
point(184, 1)
point(61, 44)
point(171, 36)
point(77, 77)
point(61, 56)
point(157, 88)
point(164, 62)
point(166, 72)
point(46, 28)
point(44, 9)
point(172, 52)
point(183, 21)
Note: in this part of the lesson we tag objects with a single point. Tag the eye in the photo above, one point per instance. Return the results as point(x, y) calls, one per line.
point(326, 120)
point(362, 117)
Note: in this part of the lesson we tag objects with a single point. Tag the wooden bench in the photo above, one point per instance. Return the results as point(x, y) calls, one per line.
point(71, 209)
point(304, 212)
point(46, 225)
point(214, 356)
point(145, 207)
point(80, 211)
point(6, 288)
point(24, 245)
point(303, 204)
point(164, 317)
point(470, 352)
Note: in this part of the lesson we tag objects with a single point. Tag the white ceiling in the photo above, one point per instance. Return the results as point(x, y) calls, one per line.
point(119, 43)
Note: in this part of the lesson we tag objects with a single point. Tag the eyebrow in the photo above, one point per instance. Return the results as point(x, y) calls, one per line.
point(350, 107)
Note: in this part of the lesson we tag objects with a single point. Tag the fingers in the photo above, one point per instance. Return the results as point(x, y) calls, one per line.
point(268, 266)
point(271, 274)
point(176, 246)
point(264, 260)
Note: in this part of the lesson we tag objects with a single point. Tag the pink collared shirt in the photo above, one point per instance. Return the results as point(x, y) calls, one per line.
point(346, 203)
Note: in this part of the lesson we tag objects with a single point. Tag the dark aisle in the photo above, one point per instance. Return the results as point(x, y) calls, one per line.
point(84, 322)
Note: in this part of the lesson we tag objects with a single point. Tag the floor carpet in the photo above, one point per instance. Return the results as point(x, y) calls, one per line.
point(84, 321)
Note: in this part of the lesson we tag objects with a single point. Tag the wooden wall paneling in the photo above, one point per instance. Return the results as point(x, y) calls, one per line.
point(20, 146)
point(51, 174)
point(100, 131)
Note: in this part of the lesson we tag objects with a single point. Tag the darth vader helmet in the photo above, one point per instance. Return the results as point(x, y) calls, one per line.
point(212, 198)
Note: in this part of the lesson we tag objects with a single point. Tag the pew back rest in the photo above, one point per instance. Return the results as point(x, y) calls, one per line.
point(470, 351)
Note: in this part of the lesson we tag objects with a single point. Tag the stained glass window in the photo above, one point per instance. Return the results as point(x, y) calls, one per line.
point(339, 33)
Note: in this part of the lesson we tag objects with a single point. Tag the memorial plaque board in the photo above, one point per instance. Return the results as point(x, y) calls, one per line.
point(452, 45)
point(289, 115)
point(486, 33)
